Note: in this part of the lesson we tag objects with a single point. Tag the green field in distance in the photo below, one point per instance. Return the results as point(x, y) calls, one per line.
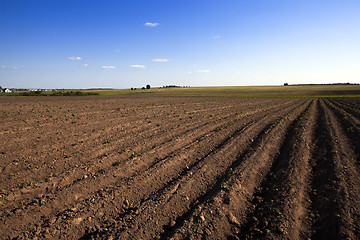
point(246, 91)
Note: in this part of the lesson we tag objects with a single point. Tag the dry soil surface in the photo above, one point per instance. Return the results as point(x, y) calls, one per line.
point(179, 167)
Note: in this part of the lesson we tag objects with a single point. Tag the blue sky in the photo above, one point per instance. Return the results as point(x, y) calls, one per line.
point(131, 43)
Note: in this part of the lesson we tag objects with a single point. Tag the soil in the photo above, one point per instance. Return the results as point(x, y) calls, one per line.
point(162, 167)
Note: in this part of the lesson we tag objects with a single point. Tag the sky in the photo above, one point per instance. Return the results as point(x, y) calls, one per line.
point(132, 43)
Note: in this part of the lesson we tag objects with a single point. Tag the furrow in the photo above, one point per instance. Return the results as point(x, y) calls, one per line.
point(280, 204)
point(221, 215)
point(350, 126)
point(184, 196)
point(78, 192)
point(139, 184)
point(332, 198)
point(105, 149)
point(171, 147)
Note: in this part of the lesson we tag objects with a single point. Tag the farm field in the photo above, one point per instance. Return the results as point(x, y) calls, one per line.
point(176, 167)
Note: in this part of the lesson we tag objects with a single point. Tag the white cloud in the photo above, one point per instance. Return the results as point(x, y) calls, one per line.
point(200, 71)
point(161, 60)
point(11, 67)
point(216, 36)
point(74, 58)
point(137, 66)
point(150, 24)
point(85, 65)
point(108, 67)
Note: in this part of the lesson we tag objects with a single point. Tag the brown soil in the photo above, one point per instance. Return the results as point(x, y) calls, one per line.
point(179, 167)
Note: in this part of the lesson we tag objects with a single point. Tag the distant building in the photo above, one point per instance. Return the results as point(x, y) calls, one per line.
point(7, 90)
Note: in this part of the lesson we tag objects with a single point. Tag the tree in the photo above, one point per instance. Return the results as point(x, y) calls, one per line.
point(148, 86)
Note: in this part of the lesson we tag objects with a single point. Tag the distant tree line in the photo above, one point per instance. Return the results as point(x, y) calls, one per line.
point(143, 88)
point(52, 93)
point(166, 86)
point(320, 84)
point(174, 86)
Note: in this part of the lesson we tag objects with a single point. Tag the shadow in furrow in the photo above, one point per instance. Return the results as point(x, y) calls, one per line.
point(208, 194)
point(268, 200)
point(89, 235)
point(346, 106)
point(324, 209)
point(170, 230)
point(351, 129)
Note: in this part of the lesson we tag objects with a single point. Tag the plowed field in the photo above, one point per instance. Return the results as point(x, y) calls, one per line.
point(176, 167)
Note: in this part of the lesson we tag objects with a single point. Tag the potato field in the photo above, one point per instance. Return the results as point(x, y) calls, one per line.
point(179, 167)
